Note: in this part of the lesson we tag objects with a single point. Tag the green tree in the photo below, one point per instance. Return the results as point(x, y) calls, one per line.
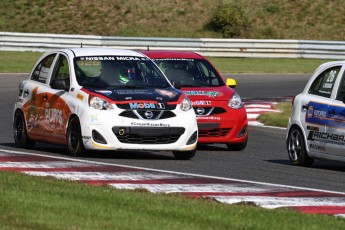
point(231, 19)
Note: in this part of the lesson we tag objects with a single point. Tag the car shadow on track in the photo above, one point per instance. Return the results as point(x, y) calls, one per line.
point(42, 148)
point(212, 147)
point(318, 164)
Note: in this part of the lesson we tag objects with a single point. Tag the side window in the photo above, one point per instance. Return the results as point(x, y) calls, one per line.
point(42, 69)
point(341, 90)
point(323, 84)
point(61, 71)
point(208, 76)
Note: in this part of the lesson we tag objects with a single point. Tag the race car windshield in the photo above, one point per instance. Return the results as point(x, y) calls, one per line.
point(190, 72)
point(116, 71)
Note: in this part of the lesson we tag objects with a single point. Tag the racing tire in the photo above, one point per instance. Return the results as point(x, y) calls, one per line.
point(20, 135)
point(237, 146)
point(74, 138)
point(297, 152)
point(184, 155)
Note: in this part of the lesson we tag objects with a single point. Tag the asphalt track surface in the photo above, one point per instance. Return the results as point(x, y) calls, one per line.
point(264, 160)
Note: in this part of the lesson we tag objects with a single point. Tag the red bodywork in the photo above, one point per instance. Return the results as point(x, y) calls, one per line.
point(225, 125)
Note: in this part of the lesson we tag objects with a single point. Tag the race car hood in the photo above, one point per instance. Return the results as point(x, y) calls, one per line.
point(221, 93)
point(163, 95)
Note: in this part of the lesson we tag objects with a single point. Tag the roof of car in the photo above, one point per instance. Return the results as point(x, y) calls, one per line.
point(171, 54)
point(96, 51)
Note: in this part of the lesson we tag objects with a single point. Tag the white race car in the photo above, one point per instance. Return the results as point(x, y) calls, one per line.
point(316, 127)
point(103, 99)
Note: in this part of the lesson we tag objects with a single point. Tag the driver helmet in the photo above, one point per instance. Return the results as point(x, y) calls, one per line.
point(131, 73)
point(127, 74)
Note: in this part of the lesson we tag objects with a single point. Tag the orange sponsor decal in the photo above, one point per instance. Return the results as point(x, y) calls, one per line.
point(46, 116)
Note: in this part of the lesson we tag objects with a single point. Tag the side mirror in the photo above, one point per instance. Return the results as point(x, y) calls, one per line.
point(230, 82)
point(176, 84)
point(60, 84)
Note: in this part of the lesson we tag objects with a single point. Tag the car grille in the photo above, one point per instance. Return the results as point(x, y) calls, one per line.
point(207, 111)
point(148, 135)
point(218, 110)
point(140, 114)
point(214, 132)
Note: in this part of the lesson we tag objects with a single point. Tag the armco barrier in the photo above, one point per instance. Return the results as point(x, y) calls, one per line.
point(258, 48)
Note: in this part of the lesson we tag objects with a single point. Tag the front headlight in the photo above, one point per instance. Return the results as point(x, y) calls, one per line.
point(100, 104)
point(235, 101)
point(185, 104)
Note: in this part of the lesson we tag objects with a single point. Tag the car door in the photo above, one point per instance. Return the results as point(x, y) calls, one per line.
point(335, 127)
point(56, 109)
point(314, 108)
point(34, 91)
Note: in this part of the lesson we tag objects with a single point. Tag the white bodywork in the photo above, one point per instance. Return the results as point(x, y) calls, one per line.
point(48, 111)
point(320, 114)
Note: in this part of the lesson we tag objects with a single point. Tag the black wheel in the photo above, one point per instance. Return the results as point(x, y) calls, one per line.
point(184, 155)
point(237, 146)
point(19, 132)
point(296, 148)
point(74, 139)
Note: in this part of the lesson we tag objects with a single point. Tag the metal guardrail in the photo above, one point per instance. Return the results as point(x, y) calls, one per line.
point(256, 48)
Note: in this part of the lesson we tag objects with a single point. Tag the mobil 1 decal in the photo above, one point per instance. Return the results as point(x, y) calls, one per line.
point(144, 105)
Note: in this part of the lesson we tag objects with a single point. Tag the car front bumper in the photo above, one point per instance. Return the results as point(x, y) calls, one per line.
point(230, 127)
point(106, 130)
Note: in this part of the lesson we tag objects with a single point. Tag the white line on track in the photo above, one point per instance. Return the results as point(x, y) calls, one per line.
point(166, 171)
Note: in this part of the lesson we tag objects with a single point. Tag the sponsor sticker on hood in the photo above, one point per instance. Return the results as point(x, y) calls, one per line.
point(211, 94)
point(161, 96)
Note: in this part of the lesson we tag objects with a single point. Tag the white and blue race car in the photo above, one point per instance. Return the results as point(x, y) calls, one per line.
point(316, 127)
point(103, 99)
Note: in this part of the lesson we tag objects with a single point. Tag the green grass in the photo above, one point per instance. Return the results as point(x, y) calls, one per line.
point(269, 19)
point(266, 65)
point(22, 62)
point(17, 62)
point(277, 119)
point(29, 202)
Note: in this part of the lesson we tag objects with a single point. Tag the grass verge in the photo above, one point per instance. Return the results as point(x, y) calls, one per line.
point(22, 62)
point(278, 119)
point(266, 65)
point(29, 202)
point(17, 62)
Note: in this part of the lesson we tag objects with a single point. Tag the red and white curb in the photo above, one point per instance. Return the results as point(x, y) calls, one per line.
point(223, 190)
point(255, 108)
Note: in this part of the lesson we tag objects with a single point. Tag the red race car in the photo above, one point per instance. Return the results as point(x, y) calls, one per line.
point(221, 115)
